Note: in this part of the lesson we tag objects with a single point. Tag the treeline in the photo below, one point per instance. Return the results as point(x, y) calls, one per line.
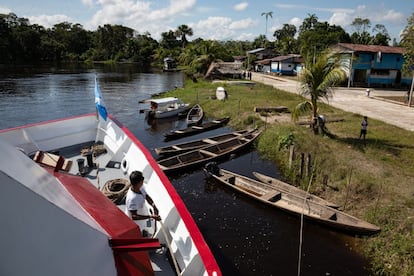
point(22, 42)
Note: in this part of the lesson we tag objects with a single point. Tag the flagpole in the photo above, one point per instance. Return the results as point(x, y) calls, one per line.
point(101, 111)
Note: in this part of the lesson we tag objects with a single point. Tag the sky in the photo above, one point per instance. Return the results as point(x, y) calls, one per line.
point(211, 19)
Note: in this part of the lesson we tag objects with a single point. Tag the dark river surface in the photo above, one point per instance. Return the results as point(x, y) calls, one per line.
point(247, 238)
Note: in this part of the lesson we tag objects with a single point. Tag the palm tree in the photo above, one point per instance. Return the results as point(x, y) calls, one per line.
point(182, 32)
point(317, 80)
point(198, 56)
point(308, 23)
point(267, 14)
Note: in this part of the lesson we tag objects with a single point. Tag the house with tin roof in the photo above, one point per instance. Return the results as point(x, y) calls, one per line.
point(287, 65)
point(281, 65)
point(374, 65)
point(222, 70)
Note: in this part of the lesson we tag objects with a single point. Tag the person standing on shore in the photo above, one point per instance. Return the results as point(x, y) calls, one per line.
point(364, 126)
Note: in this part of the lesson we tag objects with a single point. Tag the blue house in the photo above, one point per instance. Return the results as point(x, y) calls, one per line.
point(287, 65)
point(374, 65)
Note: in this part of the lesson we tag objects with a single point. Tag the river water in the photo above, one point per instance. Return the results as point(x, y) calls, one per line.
point(246, 238)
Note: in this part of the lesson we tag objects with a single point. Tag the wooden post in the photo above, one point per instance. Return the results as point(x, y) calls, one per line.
point(302, 162)
point(324, 181)
point(308, 165)
point(291, 155)
point(410, 97)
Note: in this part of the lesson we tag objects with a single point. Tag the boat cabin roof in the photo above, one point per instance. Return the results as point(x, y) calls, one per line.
point(167, 100)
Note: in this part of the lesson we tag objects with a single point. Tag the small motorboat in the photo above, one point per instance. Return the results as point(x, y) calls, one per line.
point(165, 107)
point(195, 115)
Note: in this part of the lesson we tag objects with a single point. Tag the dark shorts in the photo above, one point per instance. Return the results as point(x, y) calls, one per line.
point(363, 131)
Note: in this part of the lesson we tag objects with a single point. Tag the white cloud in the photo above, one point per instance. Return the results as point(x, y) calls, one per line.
point(140, 15)
point(245, 37)
point(241, 6)
point(335, 10)
point(207, 29)
point(296, 21)
point(49, 21)
point(393, 17)
point(379, 14)
point(242, 24)
point(5, 10)
point(213, 21)
point(341, 19)
point(290, 6)
point(88, 3)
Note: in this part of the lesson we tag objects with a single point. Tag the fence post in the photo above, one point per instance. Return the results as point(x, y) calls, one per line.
point(324, 181)
point(291, 155)
point(302, 163)
point(308, 165)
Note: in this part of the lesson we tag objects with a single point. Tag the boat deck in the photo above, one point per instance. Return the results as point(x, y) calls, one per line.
point(103, 170)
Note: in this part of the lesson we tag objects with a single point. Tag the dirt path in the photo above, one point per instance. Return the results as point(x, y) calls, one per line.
point(355, 100)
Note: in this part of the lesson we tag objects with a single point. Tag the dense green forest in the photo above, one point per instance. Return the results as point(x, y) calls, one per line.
point(25, 43)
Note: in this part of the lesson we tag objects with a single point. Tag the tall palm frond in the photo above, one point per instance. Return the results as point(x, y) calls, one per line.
point(301, 108)
point(317, 81)
point(267, 15)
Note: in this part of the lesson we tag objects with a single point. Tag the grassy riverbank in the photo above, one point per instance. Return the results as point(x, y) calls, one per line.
point(372, 179)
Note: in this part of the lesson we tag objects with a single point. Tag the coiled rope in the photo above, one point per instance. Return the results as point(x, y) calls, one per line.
point(116, 190)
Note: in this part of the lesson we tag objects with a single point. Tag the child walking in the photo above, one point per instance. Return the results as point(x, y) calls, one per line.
point(364, 126)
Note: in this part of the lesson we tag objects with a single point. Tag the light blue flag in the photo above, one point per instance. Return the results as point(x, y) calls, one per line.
point(99, 102)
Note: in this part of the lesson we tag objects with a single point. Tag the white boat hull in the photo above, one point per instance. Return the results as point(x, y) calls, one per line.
point(165, 107)
point(160, 114)
point(69, 237)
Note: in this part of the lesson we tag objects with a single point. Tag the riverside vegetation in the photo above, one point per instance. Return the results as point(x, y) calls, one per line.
point(371, 179)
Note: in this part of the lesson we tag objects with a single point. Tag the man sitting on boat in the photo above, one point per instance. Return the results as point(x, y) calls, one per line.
point(135, 200)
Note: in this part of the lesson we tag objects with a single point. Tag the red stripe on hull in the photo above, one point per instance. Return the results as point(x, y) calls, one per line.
point(202, 247)
point(112, 220)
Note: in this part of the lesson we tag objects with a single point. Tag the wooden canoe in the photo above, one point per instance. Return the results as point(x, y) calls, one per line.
point(195, 115)
point(206, 154)
point(196, 144)
point(294, 204)
point(292, 189)
point(192, 130)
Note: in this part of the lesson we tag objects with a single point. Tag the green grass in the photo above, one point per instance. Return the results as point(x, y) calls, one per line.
point(372, 179)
